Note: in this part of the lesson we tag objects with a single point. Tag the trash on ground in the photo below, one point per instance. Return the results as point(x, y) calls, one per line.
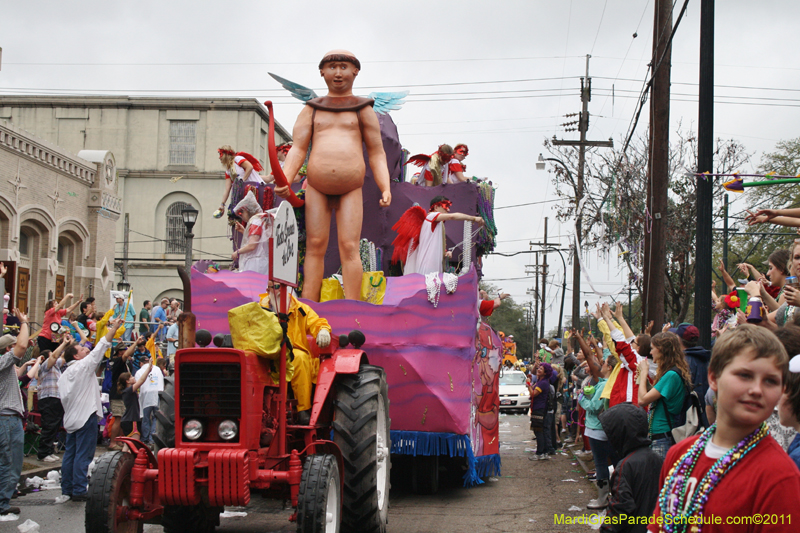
point(494, 479)
point(531, 520)
point(530, 449)
point(574, 508)
point(54, 475)
point(572, 480)
point(232, 514)
point(92, 466)
point(34, 482)
point(63, 498)
point(596, 520)
point(8, 517)
point(580, 491)
point(28, 526)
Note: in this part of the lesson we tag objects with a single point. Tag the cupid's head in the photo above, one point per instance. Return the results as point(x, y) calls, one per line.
point(340, 56)
point(339, 68)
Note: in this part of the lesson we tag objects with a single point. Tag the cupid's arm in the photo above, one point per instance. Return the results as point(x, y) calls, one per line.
point(459, 216)
point(301, 136)
point(377, 157)
point(248, 169)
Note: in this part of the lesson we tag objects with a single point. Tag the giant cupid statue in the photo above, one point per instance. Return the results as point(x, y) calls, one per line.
point(336, 126)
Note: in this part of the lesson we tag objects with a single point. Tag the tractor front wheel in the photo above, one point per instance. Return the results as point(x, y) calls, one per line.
point(319, 503)
point(164, 436)
point(109, 491)
point(361, 430)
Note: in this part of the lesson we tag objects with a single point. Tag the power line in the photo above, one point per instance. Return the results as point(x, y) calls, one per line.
point(599, 25)
point(530, 203)
point(226, 64)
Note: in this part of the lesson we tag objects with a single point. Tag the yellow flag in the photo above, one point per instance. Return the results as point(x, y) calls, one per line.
point(102, 329)
point(155, 353)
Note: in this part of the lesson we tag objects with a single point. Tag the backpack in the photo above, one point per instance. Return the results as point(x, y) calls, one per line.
point(689, 420)
point(108, 379)
point(551, 399)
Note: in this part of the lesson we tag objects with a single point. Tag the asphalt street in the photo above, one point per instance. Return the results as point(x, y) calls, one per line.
point(526, 497)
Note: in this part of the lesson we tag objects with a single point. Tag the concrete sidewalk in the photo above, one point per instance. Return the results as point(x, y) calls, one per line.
point(31, 466)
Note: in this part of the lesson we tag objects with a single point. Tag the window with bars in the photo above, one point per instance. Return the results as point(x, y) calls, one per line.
point(182, 142)
point(176, 230)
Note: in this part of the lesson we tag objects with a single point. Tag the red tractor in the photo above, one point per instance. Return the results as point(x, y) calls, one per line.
point(225, 430)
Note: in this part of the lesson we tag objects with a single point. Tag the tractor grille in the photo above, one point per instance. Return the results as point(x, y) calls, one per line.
point(210, 390)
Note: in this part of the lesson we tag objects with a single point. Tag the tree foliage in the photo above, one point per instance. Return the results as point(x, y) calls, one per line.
point(614, 212)
point(746, 245)
point(510, 318)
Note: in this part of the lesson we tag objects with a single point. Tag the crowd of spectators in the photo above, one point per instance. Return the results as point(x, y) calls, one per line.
point(64, 389)
point(675, 431)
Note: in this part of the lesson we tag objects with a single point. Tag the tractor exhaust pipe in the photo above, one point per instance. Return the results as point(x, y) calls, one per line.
point(187, 323)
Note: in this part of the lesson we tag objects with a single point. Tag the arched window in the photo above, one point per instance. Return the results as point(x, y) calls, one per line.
point(176, 231)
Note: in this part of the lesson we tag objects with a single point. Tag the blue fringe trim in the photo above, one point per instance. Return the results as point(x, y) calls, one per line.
point(427, 443)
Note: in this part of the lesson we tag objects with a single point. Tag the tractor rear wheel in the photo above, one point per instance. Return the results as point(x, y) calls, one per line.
point(199, 518)
point(164, 436)
point(319, 504)
point(361, 430)
point(109, 491)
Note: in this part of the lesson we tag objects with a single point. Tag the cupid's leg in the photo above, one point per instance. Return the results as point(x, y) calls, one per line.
point(318, 228)
point(349, 216)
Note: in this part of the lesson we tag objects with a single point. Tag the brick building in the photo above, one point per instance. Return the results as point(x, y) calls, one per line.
point(58, 215)
point(166, 152)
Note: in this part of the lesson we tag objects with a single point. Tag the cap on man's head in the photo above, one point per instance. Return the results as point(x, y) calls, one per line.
point(686, 332)
point(6, 341)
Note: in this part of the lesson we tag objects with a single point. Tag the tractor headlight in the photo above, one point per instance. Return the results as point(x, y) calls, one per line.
point(193, 429)
point(228, 429)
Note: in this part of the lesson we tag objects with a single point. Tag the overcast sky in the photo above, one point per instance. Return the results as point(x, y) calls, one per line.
point(532, 52)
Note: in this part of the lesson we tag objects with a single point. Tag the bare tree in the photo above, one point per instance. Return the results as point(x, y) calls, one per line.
point(614, 210)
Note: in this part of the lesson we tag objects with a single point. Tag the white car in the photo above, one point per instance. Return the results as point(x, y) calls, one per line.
point(514, 394)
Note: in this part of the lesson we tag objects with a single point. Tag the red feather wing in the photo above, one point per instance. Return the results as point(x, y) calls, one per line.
point(408, 229)
point(253, 161)
point(418, 160)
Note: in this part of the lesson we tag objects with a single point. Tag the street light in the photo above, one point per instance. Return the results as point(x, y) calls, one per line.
point(189, 215)
point(576, 268)
point(123, 286)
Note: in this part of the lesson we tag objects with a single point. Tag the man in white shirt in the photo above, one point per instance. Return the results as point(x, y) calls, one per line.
point(148, 398)
point(172, 344)
point(80, 396)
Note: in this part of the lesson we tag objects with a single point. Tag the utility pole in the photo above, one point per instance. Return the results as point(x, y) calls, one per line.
point(658, 184)
point(725, 233)
point(538, 300)
point(544, 281)
point(534, 292)
point(583, 127)
point(127, 231)
point(705, 163)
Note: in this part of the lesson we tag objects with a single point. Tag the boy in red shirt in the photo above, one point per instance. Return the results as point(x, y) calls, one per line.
point(734, 477)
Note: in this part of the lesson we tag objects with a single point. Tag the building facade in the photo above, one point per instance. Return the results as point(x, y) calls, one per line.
point(166, 155)
point(58, 217)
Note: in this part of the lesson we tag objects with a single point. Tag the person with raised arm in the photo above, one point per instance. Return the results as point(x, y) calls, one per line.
point(12, 435)
point(623, 388)
point(80, 397)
